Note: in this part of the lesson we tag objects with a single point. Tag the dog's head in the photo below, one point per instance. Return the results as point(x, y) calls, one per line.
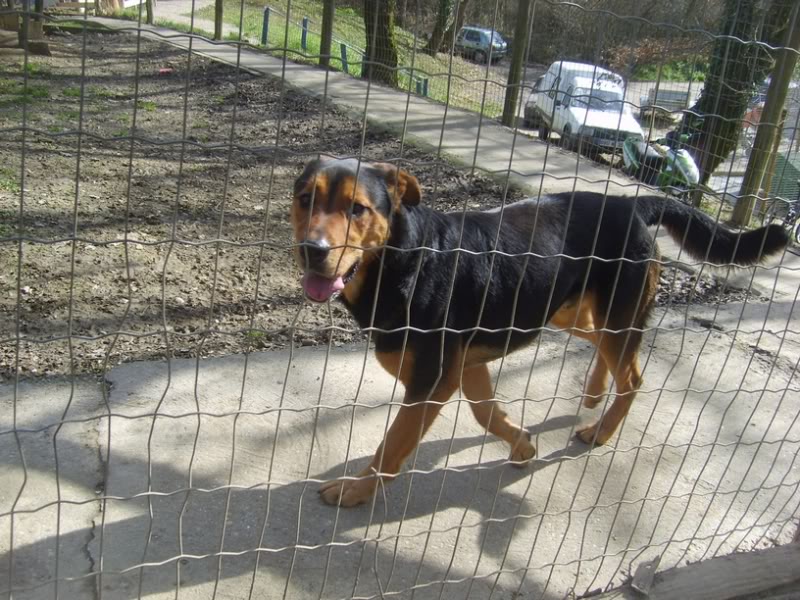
point(340, 213)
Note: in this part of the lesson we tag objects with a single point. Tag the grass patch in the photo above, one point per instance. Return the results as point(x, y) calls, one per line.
point(9, 181)
point(37, 91)
point(676, 70)
point(184, 28)
point(13, 92)
point(71, 92)
point(68, 115)
point(146, 105)
point(131, 13)
point(101, 92)
point(34, 69)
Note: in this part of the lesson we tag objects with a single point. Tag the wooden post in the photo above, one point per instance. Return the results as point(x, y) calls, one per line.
point(769, 124)
point(326, 37)
point(265, 27)
point(150, 6)
point(343, 49)
point(218, 13)
point(304, 35)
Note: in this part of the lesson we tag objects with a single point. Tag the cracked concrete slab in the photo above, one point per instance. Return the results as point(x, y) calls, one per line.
point(50, 471)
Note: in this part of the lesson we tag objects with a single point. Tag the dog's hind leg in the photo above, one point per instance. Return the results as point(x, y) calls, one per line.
point(618, 345)
point(622, 353)
point(597, 384)
point(477, 386)
point(581, 319)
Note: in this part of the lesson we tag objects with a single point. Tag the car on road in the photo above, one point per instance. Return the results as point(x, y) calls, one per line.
point(584, 104)
point(478, 44)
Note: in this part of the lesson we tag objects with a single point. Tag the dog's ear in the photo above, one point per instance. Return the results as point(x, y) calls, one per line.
point(308, 173)
point(403, 186)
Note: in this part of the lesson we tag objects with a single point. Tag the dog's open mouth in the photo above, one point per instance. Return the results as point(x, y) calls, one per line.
point(321, 289)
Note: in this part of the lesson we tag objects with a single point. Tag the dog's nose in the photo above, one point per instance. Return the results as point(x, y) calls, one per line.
point(315, 252)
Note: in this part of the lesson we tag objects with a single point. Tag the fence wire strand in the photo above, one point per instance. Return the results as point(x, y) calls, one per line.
point(211, 486)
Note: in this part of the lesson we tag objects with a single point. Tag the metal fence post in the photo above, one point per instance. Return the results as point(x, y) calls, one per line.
point(304, 37)
point(343, 48)
point(265, 27)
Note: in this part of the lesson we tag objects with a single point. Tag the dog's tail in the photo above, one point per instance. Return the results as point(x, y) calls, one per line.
point(704, 238)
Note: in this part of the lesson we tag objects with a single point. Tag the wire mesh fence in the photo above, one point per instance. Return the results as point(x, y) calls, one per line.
point(171, 402)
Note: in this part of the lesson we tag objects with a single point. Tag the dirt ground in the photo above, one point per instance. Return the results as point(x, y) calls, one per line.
point(173, 289)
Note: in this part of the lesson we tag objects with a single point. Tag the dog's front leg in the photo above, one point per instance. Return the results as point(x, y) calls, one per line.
point(410, 424)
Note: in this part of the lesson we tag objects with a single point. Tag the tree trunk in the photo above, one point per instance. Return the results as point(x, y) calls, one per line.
point(770, 124)
point(218, 13)
point(736, 67)
point(108, 7)
point(150, 7)
point(326, 38)
point(380, 63)
point(31, 33)
point(444, 17)
point(517, 62)
point(450, 35)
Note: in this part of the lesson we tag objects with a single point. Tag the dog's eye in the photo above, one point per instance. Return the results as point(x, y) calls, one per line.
point(304, 200)
point(358, 209)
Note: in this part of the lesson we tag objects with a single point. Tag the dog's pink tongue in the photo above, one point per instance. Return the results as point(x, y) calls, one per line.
point(320, 288)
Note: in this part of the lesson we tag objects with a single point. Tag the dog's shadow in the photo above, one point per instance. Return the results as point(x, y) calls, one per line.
point(284, 533)
point(433, 483)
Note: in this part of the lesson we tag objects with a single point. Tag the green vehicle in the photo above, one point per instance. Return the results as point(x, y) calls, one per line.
point(661, 164)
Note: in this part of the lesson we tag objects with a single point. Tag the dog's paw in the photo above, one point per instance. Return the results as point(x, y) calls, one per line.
point(589, 435)
point(348, 492)
point(523, 451)
point(591, 401)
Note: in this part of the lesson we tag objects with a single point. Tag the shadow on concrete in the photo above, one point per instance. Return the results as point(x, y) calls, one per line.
point(282, 540)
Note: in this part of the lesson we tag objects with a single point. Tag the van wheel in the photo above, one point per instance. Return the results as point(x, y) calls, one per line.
point(544, 132)
point(480, 57)
point(566, 140)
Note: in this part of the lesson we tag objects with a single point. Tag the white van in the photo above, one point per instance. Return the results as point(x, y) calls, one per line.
point(583, 103)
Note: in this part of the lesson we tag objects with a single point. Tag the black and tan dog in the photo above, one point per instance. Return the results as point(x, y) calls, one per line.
point(444, 294)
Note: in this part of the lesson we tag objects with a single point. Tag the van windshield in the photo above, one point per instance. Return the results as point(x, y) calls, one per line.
point(605, 100)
